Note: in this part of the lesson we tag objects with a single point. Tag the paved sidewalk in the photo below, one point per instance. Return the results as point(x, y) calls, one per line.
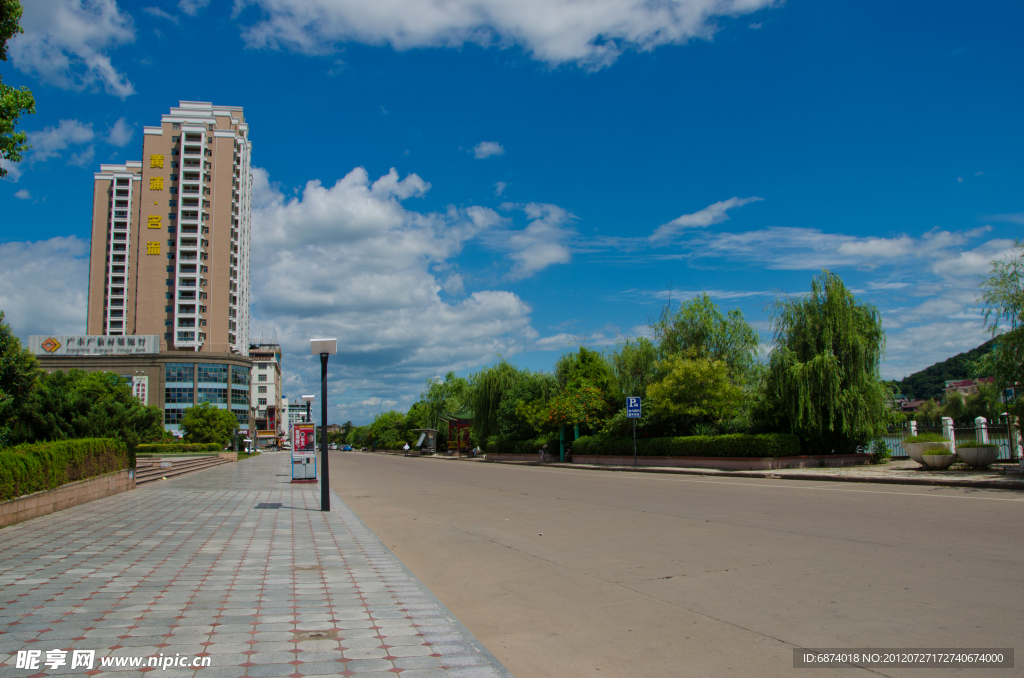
point(235, 564)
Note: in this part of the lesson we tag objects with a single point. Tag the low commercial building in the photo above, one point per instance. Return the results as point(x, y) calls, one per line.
point(265, 394)
point(170, 380)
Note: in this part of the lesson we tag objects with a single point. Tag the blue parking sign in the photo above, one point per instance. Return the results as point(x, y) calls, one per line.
point(632, 408)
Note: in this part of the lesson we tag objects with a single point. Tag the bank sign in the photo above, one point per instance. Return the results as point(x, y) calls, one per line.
point(90, 344)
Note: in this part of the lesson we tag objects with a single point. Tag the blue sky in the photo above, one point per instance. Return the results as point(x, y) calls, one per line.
point(559, 167)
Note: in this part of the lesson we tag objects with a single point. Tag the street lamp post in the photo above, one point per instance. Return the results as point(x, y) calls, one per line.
point(326, 348)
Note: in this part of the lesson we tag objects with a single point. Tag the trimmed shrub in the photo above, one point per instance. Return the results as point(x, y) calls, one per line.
point(975, 443)
point(522, 446)
point(44, 466)
point(926, 438)
point(730, 445)
point(178, 448)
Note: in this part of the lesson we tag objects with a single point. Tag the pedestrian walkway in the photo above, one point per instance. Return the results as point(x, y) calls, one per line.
point(234, 568)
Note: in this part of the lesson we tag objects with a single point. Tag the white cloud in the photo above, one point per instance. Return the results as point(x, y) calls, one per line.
point(712, 214)
point(350, 260)
point(121, 133)
point(13, 169)
point(50, 141)
point(592, 34)
point(1017, 218)
point(499, 188)
point(66, 43)
point(43, 285)
point(83, 158)
point(159, 13)
point(544, 242)
point(486, 149)
point(192, 7)
point(23, 194)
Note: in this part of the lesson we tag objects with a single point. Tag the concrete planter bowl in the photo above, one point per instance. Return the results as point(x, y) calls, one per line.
point(978, 457)
point(938, 461)
point(916, 451)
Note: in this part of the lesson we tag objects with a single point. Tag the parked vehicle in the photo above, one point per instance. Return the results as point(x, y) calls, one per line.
point(347, 448)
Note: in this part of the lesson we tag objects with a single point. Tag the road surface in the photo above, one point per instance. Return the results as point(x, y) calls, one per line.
point(564, 572)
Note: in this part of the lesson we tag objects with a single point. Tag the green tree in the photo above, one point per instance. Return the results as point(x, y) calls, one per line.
point(823, 382)
point(694, 391)
point(987, 402)
point(581, 402)
point(522, 413)
point(953, 407)
point(929, 412)
point(14, 102)
point(634, 363)
point(18, 374)
point(1003, 310)
point(79, 404)
point(387, 430)
point(206, 423)
point(487, 389)
point(699, 329)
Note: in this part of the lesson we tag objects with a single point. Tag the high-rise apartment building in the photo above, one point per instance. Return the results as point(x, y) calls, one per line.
point(171, 234)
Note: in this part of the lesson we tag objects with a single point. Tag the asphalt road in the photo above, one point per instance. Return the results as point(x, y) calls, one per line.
point(563, 572)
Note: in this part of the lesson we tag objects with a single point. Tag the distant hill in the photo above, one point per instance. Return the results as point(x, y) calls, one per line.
point(929, 382)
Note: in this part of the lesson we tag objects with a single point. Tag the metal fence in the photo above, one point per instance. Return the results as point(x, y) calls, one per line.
point(998, 431)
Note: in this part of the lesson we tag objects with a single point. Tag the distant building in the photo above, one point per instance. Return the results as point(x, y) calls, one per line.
point(265, 395)
point(966, 386)
point(296, 412)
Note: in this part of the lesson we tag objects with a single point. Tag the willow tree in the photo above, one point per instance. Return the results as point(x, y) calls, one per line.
point(487, 389)
point(1003, 300)
point(823, 373)
point(699, 329)
point(634, 364)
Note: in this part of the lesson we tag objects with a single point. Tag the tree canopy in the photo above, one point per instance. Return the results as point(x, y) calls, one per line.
point(1003, 310)
point(823, 375)
point(206, 423)
point(18, 374)
point(699, 329)
point(14, 102)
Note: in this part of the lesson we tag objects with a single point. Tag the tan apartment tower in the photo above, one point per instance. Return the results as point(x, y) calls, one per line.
point(171, 234)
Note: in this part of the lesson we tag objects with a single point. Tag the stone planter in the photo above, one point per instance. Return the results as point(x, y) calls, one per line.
point(916, 450)
point(978, 457)
point(938, 461)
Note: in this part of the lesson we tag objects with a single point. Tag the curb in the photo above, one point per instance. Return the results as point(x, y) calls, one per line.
point(774, 475)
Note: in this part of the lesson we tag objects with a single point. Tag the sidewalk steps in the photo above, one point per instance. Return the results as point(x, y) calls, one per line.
point(149, 471)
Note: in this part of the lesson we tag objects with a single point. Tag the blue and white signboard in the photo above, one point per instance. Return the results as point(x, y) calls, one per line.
point(632, 408)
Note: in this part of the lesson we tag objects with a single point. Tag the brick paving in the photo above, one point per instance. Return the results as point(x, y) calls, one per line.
point(191, 567)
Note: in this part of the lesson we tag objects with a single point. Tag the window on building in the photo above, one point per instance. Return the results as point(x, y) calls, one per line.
point(262, 401)
point(216, 396)
point(178, 395)
point(261, 389)
point(239, 375)
point(178, 372)
point(242, 416)
point(239, 397)
point(173, 416)
point(261, 377)
point(217, 374)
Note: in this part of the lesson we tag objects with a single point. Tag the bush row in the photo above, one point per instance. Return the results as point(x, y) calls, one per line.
point(730, 445)
point(177, 448)
point(44, 466)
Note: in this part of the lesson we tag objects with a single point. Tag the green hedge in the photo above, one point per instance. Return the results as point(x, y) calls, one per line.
point(44, 466)
point(178, 448)
point(522, 446)
point(730, 445)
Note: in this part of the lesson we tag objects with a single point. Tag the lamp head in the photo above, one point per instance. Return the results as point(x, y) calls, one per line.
point(321, 346)
point(309, 398)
